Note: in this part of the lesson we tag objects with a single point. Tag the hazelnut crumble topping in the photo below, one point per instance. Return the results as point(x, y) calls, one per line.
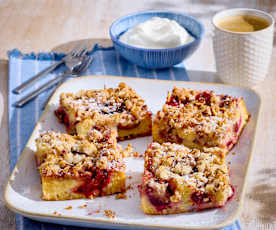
point(121, 106)
point(72, 156)
point(183, 167)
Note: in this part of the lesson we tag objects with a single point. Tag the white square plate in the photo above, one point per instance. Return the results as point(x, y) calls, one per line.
point(23, 190)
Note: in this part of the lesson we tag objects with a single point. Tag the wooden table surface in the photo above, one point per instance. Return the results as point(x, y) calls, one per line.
point(55, 25)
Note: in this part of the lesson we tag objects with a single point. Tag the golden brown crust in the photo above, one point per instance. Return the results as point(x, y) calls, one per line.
point(143, 129)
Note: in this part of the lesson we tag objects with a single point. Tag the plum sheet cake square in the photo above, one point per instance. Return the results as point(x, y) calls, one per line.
point(72, 167)
point(198, 119)
point(179, 179)
point(121, 107)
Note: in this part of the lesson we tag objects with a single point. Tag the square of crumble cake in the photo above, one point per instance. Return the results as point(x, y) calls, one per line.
point(179, 179)
point(121, 107)
point(198, 119)
point(72, 167)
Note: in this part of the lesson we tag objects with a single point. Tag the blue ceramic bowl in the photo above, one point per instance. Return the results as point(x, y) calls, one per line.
point(156, 58)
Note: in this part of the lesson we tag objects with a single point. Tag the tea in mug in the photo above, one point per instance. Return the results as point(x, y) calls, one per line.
point(243, 23)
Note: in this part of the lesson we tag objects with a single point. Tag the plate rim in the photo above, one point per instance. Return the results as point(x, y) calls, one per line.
point(225, 223)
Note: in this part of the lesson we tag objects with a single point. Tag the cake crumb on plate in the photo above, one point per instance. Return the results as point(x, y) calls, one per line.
point(109, 213)
point(83, 206)
point(120, 196)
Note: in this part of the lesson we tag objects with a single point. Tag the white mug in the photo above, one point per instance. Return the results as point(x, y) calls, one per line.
point(242, 58)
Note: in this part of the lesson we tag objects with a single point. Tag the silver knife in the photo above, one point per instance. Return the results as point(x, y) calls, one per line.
point(78, 49)
point(36, 77)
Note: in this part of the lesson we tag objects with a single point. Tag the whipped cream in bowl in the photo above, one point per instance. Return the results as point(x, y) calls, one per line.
point(157, 33)
point(156, 39)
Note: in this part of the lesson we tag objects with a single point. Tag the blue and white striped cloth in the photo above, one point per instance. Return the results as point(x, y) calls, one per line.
point(22, 120)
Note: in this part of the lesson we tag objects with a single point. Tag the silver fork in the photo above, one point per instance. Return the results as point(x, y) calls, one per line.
point(89, 60)
point(75, 66)
point(77, 51)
